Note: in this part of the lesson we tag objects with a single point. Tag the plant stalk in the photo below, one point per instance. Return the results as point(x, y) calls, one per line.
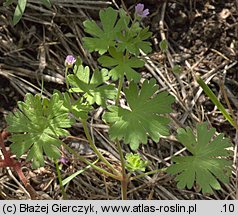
point(147, 173)
point(119, 90)
point(65, 74)
point(93, 146)
point(91, 164)
point(124, 179)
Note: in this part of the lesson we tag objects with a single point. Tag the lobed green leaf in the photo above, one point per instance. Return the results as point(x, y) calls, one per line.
point(36, 127)
point(103, 37)
point(143, 117)
point(208, 162)
point(121, 65)
point(94, 90)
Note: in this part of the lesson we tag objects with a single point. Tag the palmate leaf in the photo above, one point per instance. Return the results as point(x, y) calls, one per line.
point(122, 65)
point(133, 40)
point(143, 118)
point(207, 163)
point(36, 126)
point(103, 38)
point(78, 108)
point(94, 90)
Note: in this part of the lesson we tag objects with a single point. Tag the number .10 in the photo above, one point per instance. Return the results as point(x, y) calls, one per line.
point(229, 207)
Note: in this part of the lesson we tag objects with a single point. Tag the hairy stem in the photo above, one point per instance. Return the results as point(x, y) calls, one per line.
point(91, 164)
point(124, 180)
point(148, 173)
point(65, 74)
point(93, 146)
point(119, 90)
point(124, 177)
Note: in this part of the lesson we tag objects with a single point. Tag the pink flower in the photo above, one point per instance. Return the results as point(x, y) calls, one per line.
point(69, 61)
point(63, 160)
point(140, 12)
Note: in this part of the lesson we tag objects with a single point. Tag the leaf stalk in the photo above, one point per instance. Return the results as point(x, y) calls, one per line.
point(95, 149)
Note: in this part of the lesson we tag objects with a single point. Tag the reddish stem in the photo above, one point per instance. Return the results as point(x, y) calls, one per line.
point(15, 165)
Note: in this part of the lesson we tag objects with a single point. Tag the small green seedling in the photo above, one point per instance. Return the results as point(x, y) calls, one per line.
point(135, 163)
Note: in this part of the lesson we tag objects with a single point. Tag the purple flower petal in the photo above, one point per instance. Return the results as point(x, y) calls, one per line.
point(63, 160)
point(69, 61)
point(145, 13)
point(140, 12)
point(139, 7)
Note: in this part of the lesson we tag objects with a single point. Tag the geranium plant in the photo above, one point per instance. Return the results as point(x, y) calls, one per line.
point(39, 123)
